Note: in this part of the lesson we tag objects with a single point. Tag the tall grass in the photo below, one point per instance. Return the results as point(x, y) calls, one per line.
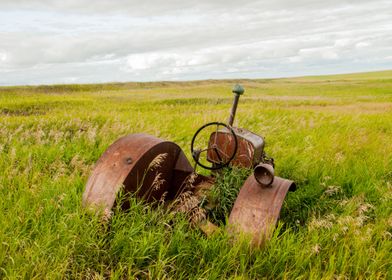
point(332, 135)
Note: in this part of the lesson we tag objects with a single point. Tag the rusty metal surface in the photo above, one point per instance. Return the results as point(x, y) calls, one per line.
point(233, 109)
point(256, 209)
point(249, 151)
point(135, 161)
point(224, 141)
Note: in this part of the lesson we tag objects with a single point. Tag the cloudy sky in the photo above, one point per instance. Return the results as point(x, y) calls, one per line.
point(80, 41)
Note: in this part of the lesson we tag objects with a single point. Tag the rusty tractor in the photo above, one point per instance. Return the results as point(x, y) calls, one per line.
point(134, 162)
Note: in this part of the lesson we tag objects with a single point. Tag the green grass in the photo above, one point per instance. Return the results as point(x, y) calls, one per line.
point(331, 134)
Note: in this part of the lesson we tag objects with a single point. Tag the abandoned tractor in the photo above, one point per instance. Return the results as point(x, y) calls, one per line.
point(134, 162)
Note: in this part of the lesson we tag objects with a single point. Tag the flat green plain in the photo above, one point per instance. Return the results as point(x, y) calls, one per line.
point(332, 135)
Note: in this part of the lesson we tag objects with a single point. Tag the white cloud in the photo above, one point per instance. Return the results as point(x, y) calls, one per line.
point(3, 56)
point(74, 41)
point(295, 59)
point(361, 45)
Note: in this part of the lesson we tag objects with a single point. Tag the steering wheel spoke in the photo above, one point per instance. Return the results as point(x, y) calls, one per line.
point(218, 155)
point(222, 152)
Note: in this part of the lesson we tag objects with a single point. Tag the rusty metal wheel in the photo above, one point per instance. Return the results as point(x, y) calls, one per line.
point(138, 163)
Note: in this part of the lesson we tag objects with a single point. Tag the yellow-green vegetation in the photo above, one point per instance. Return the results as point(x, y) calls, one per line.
point(332, 135)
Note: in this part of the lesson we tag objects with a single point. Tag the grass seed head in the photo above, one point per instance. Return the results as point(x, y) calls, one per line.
point(158, 182)
point(157, 162)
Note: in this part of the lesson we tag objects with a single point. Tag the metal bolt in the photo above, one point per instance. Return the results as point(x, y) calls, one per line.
point(128, 160)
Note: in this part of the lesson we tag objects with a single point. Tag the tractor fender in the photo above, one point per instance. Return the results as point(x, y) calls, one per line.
point(256, 209)
point(133, 162)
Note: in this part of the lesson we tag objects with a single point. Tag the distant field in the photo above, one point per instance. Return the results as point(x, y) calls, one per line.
point(331, 134)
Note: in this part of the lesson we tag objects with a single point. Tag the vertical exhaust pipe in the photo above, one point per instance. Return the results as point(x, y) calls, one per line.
point(238, 90)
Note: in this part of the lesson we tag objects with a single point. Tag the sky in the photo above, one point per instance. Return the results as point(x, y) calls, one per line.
point(80, 41)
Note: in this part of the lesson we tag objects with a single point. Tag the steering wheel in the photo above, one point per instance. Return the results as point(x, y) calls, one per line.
point(218, 143)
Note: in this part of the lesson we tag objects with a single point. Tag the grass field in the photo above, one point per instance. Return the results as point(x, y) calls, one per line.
point(331, 134)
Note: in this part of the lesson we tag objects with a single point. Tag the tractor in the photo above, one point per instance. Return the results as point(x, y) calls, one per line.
point(151, 168)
